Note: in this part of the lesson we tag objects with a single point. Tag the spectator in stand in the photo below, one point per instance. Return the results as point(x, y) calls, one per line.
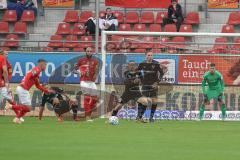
point(20, 6)
point(174, 15)
point(109, 22)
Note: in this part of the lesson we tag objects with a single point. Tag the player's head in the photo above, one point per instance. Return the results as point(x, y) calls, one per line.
point(3, 52)
point(89, 52)
point(42, 64)
point(149, 56)
point(212, 68)
point(174, 2)
point(55, 102)
point(108, 11)
point(131, 65)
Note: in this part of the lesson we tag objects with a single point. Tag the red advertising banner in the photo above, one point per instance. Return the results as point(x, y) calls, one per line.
point(58, 3)
point(139, 3)
point(192, 68)
point(223, 3)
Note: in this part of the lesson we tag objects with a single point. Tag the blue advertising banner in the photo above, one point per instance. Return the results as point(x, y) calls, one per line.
point(60, 66)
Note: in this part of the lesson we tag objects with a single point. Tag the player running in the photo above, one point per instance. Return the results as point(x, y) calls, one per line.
point(131, 92)
point(87, 68)
point(215, 87)
point(61, 103)
point(152, 74)
point(30, 79)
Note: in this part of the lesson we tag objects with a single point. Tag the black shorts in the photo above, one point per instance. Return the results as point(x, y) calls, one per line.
point(128, 95)
point(64, 107)
point(148, 91)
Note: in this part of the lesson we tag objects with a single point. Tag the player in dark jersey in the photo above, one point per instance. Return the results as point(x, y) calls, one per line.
point(61, 103)
point(131, 92)
point(152, 74)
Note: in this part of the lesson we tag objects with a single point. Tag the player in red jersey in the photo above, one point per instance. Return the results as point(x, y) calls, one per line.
point(87, 68)
point(30, 79)
point(5, 77)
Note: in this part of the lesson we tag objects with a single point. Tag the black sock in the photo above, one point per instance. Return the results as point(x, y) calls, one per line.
point(74, 110)
point(153, 109)
point(141, 110)
point(114, 112)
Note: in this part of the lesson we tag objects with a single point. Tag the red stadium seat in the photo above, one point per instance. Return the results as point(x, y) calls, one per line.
point(86, 41)
point(63, 28)
point(78, 29)
point(149, 43)
point(220, 45)
point(234, 18)
point(102, 14)
point(147, 17)
point(5, 48)
point(69, 41)
point(78, 50)
point(124, 27)
point(119, 16)
point(115, 41)
point(12, 40)
point(55, 41)
point(236, 44)
point(84, 16)
point(139, 27)
point(163, 43)
point(192, 18)
point(140, 50)
point(132, 17)
point(63, 49)
point(178, 42)
point(20, 28)
point(228, 28)
point(160, 16)
point(71, 16)
point(170, 28)
point(186, 28)
point(4, 27)
point(10, 16)
point(47, 49)
point(155, 28)
point(28, 16)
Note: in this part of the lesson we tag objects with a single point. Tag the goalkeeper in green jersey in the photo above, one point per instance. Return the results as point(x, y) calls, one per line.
point(213, 87)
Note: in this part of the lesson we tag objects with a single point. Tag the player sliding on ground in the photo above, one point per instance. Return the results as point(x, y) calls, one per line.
point(87, 68)
point(30, 79)
point(215, 87)
point(131, 92)
point(152, 74)
point(61, 104)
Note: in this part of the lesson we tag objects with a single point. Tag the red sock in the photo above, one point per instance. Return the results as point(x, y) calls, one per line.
point(86, 105)
point(24, 110)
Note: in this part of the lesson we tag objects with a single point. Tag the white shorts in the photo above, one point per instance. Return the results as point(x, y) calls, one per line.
point(88, 87)
point(4, 94)
point(24, 96)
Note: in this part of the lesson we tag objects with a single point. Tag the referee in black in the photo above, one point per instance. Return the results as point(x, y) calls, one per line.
point(152, 74)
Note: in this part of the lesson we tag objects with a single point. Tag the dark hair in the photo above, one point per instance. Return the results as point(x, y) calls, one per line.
point(131, 61)
point(174, 1)
point(212, 65)
point(41, 60)
point(108, 8)
point(148, 52)
point(87, 48)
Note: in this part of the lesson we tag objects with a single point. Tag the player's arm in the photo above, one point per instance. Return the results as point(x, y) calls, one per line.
point(161, 73)
point(95, 72)
point(5, 73)
point(222, 83)
point(204, 81)
point(40, 87)
point(127, 80)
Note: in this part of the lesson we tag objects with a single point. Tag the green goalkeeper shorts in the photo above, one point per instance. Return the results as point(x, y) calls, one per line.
point(213, 94)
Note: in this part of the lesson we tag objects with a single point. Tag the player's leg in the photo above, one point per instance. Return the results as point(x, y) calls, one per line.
point(25, 102)
point(74, 107)
point(143, 102)
point(153, 109)
point(41, 110)
point(222, 105)
point(202, 107)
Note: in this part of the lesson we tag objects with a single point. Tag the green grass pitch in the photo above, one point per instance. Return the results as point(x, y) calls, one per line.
point(164, 140)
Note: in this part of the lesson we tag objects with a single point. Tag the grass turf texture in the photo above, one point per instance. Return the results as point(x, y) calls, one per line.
point(167, 140)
